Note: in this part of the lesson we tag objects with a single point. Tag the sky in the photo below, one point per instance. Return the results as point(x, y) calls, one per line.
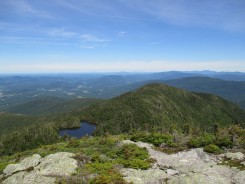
point(121, 35)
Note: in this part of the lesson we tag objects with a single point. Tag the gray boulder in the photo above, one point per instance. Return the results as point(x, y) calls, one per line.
point(127, 142)
point(58, 164)
point(150, 176)
point(240, 177)
point(186, 167)
point(25, 164)
point(200, 178)
point(29, 172)
point(234, 156)
point(172, 172)
point(28, 178)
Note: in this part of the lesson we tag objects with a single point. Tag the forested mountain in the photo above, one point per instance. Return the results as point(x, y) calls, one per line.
point(153, 107)
point(158, 106)
point(51, 105)
point(10, 122)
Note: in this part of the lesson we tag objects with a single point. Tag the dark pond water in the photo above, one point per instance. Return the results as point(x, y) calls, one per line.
point(85, 129)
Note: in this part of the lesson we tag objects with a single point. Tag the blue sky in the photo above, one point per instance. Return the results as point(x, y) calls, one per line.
point(121, 35)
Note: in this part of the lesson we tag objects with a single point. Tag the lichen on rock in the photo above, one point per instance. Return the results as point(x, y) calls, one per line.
point(37, 170)
point(58, 164)
point(185, 167)
point(25, 164)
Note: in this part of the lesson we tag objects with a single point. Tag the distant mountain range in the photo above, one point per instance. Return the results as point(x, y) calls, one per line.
point(43, 94)
point(158, 107)
point(230, 90)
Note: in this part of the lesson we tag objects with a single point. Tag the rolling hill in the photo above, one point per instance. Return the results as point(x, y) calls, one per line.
point(158, 106)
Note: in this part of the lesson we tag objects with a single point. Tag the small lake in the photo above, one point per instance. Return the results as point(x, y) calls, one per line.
point(85, 129)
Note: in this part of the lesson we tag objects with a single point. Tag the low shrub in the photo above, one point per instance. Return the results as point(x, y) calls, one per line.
point(131, 151)
point(212, 148)
point(104, 173)
point(201, 141)
point(224, 142)
point(110, 177)
point(153, 138)
point(132, 156)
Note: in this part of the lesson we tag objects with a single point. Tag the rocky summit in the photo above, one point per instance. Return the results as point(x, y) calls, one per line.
point(185, 167)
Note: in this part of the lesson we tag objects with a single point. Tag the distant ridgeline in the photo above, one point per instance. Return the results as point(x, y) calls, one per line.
point(158, 107)
point(153, 107)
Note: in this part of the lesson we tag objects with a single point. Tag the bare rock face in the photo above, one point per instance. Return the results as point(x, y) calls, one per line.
point(240, 177)
point(25, 164)
point(150, 176)
point(194, 178)
point(234, 156)
point(58, 164)
point(28, 178)
point(37, 170)
point(186, 167)
point(195, 160)
point(172, 172)
point(127, 142)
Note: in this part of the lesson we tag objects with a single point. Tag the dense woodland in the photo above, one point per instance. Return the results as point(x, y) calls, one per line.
point(158, 107)
point(190, 119)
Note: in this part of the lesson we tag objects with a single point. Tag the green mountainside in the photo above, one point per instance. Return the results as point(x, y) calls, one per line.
point(10, 121)
point(62, 113)
point(153, 107)
point(51, 105)
point(158, 107)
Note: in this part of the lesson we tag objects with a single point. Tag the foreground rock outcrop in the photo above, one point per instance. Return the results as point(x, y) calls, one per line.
point(186, 167)
point(37, 170)
point(25, 164)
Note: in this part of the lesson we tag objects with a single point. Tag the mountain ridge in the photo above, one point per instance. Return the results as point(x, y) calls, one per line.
point(161, 106)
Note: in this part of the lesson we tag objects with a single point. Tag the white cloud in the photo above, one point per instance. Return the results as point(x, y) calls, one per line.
point(62, 32)
point(90, 41)
point(92, 38)
point(90, 7)
point(223, 14)
point(23, 6)
point(121, 33)
point(87, 46)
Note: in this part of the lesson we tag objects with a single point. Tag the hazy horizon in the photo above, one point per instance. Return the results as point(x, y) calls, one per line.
point(118, 72)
